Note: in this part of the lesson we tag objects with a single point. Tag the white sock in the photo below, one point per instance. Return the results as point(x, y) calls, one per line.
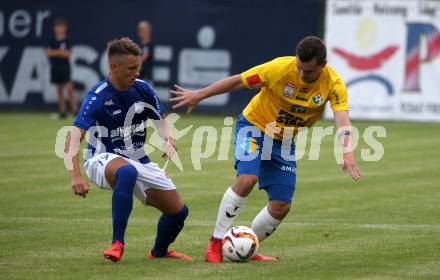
point(229, 209)
point(264, 224)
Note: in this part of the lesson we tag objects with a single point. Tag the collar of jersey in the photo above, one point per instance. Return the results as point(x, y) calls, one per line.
point(110, 85)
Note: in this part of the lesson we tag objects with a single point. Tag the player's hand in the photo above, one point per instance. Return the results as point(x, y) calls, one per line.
point(79, 186)
point(350, 166)
point(183, 97)
point(169, 147)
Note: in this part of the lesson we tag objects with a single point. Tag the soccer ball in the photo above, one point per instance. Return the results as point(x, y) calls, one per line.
point(240, 244)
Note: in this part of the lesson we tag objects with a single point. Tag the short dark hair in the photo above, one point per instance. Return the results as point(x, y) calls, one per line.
point(312, 47)
point(123, 46)
point(60, 21)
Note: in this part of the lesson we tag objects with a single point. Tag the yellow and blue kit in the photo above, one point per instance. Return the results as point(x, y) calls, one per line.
point(287, 102)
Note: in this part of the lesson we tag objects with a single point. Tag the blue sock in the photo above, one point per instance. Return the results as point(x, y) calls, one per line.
point(168, 227)
point(122, 200)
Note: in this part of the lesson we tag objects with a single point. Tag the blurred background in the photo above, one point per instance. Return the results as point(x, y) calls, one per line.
point(387, 51)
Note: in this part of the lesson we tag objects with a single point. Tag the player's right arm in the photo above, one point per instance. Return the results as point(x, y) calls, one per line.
point(190, 99)
point(85, 119)
point(78, 183)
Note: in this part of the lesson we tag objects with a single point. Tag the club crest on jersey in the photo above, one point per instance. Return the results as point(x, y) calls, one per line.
point(318, 99)
point(289, 90)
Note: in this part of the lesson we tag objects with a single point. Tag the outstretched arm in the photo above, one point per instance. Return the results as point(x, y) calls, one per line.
point(71, 149)
point(190, 99)
point(344, 128)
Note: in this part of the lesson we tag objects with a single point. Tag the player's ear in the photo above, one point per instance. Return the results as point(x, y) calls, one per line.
point(325, 62)
point(112, 63)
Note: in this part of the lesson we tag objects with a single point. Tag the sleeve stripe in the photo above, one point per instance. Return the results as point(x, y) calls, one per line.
point(101, 87)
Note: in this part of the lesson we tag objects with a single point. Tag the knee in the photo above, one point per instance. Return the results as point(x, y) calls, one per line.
point(279, 209)
point(127, 174)
point(244, 184)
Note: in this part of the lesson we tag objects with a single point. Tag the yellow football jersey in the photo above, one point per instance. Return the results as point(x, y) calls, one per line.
point(285, 99)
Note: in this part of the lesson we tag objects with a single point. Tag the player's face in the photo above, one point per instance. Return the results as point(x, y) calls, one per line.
point(309, 71)
point(125, 70)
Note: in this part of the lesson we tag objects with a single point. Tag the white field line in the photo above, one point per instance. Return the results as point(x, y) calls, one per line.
point(203, 223)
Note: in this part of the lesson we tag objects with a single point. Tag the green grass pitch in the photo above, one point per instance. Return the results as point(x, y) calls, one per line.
point(387, 226)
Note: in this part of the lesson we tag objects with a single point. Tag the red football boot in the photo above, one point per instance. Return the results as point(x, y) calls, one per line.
point(213, 252)
point(263, 258)
point(172, 255)
point(115, 251)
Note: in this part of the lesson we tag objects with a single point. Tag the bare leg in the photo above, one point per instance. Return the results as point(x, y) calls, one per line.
point(167, 202)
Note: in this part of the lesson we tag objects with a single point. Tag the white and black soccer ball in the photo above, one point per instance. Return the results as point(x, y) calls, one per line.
point(240, 244)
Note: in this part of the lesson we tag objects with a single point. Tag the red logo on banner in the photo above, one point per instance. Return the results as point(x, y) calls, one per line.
point(368, 62)
point(254, 80)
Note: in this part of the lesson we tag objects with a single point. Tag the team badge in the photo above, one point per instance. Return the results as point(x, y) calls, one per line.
point(318, 99)
point(289, 90)
point(249, 145)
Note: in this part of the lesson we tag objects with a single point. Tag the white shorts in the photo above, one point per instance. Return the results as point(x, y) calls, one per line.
point(149, 175)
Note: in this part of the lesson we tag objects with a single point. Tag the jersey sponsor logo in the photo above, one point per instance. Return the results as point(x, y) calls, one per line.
point(318, 99)
point(288, 119)
point(123, 132)
point(117, 112)
point(254, 81)
point(304, 90)
point(301, 98)
point(109, 102)
point(289, 90)
point(298, 109)
point(131, 150)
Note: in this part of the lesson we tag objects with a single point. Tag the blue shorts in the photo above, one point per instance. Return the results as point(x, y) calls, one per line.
point(258, 154)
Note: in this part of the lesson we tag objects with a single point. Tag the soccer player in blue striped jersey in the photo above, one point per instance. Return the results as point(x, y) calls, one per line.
point(115, 112)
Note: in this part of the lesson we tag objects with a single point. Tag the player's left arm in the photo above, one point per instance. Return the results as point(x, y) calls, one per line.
point(339, 102)
point(156, 115)
point(166, 133)
point(345, 136)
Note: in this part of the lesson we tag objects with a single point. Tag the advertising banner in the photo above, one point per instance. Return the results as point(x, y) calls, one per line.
point(195, 43)
point(388, 53)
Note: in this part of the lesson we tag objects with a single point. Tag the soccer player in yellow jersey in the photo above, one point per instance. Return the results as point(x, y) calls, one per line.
point(294, 91)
